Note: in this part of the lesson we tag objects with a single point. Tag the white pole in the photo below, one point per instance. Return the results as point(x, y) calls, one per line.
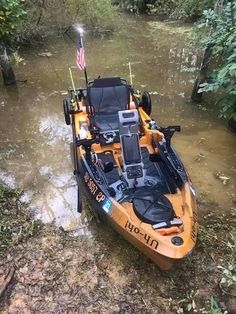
point(72, 80)
point(130, 74)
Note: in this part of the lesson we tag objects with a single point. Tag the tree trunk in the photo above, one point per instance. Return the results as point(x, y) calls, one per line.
point(5, 65)
point(202, 75)
point(232, 125)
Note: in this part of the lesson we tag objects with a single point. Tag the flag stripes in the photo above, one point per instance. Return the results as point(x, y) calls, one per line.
point(80, 57)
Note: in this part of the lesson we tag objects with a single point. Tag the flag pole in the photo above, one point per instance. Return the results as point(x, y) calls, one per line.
point(86, 77)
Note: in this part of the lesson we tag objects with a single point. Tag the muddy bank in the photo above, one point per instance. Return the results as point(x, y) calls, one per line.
point(58, 272)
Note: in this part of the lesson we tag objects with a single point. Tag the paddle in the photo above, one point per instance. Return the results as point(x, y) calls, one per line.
point(76, 167)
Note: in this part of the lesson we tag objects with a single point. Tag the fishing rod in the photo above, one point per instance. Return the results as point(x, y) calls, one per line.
point(75, 153)
point(130, 74)
point(72, 80)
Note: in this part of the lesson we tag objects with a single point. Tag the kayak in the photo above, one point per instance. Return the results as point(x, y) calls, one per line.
point(131, 175)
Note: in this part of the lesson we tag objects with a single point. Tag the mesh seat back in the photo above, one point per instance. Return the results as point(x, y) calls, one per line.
point(108, 96)
point(107, 100)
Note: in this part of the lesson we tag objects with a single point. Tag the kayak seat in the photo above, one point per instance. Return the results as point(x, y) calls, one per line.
point(106, 122)
point(107, 96)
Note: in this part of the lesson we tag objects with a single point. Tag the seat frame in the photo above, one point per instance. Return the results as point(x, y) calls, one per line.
point(104, 83)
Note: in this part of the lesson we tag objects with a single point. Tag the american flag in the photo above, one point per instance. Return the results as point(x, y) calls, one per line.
point(80, 58)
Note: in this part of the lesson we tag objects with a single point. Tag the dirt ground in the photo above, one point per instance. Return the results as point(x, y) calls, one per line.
point(57, 272)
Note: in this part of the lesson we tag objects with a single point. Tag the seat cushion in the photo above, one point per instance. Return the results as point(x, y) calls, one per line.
point(106, 122)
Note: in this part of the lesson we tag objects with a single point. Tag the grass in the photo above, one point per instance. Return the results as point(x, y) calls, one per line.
point(213, 307)
point(199, 284)
point(16, 223)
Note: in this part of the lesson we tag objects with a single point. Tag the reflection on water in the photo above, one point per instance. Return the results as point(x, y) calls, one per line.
point(35, 153)
point(54, 128)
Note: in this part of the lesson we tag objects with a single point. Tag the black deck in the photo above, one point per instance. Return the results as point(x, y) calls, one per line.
point(113, 175)
point(149, 201)
point(154, 169)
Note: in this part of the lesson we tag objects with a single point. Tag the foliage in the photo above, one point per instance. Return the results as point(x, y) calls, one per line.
point(187, 10)
point(228, 275)
point(187, 304)
point(134, 6)
point(97, 14)
point(162, 7)
point(11, 12)
point(213, 307)
point(33, 19)
point(31, 27)
point(228, 279)
point(191, 10)
point(17, 59)
point(222, 38)
point(16, 224)
point(231, 244)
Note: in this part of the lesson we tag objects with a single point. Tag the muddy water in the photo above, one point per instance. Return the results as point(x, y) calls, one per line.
point(35, 153)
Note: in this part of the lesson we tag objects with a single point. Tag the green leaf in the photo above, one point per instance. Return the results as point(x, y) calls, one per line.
point(189, 307)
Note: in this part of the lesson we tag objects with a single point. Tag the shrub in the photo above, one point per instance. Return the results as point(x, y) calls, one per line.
point(222, 38)
point(97, 14)
point(191, 10)
point(11, 11)
point(43, 17)
point(187, 10)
